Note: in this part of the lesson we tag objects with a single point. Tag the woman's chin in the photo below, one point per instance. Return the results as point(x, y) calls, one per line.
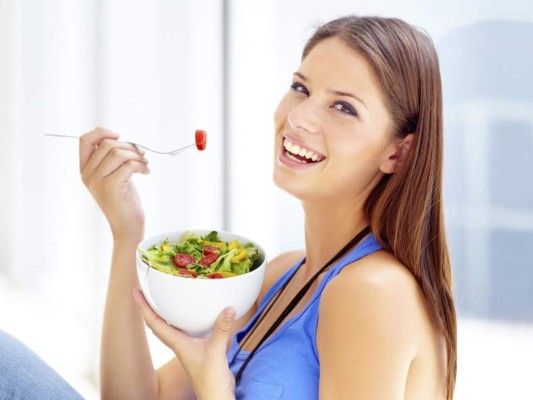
point(294, 186)
point(285, 183)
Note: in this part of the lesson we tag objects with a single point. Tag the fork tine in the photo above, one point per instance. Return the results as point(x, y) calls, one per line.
point(146, 148)
point(175, 152)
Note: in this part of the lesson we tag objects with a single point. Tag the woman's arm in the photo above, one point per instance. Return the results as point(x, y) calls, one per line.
point(366, 335)
point(106, 167)
point(127, 372)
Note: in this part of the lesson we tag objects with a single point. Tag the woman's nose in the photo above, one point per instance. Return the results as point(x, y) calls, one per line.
point(305, 116)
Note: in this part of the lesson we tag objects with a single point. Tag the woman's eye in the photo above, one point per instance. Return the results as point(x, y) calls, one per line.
point(345, 108)
point(298, 87)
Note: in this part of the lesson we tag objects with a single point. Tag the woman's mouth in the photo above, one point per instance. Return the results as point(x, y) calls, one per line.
point(300, 154)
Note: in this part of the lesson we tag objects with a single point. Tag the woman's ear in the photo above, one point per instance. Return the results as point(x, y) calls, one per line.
point(398, 151)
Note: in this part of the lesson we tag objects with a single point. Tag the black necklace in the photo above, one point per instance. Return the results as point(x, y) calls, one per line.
point(354, 242)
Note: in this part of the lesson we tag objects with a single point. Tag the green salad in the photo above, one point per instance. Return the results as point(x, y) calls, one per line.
point(201, 257)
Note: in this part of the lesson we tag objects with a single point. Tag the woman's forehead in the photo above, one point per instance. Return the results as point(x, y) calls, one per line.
point(336, 66)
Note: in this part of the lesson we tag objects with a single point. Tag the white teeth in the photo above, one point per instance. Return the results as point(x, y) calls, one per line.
point(291, 157)
point(287, 145)
point(299, 151)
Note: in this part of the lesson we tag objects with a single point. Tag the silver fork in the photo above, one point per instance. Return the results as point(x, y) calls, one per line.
point(170, 153)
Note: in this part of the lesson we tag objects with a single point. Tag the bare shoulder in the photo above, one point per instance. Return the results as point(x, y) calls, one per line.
point(372, 312)
point(381, 265)
point(379, 291)
point(277, 267)
point(379, 274)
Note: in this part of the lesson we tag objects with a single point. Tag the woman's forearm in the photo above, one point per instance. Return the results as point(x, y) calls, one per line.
point(126, 366)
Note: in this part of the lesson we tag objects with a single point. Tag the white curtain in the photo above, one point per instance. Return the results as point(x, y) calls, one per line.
point(150, 70)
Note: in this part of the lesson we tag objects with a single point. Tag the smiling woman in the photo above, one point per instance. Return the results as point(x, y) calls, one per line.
point(320, 113)
point(359, 141)
point(366, 310)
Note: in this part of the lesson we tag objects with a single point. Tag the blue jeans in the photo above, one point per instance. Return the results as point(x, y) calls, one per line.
point(23, 375)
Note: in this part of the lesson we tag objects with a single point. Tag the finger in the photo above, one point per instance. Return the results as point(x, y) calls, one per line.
point(169, 335)
point(126, 170)
point(115, 159)
point(103, 150)
point(219, 338)
point(90, 140)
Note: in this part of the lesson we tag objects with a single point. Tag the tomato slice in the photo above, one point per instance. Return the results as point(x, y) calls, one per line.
point(182, 260)
point(211, 250)
point(214, 275)
point(208, 259)
point(201, 139)
point(187, 272)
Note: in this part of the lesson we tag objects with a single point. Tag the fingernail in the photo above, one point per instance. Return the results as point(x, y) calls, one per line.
point(229, 315)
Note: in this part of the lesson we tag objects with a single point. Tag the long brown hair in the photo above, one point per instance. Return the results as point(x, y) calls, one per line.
point(405, 208)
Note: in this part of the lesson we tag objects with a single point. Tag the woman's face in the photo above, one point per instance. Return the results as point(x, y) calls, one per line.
point(333, 130)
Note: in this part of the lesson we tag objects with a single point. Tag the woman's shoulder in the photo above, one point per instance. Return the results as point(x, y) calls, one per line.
point(378, 292)
point(380, 272)
point(374, 311)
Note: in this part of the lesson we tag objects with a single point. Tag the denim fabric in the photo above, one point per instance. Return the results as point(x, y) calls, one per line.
point(24, 375)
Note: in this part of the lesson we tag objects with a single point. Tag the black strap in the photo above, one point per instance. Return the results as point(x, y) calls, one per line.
point(354, 242)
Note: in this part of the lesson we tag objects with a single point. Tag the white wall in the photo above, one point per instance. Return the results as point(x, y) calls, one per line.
point(141, 68)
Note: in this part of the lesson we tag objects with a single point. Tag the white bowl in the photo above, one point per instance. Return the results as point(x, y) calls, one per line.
point(193, 305)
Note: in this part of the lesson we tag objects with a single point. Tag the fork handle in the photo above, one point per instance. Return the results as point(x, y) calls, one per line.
point(56, 135)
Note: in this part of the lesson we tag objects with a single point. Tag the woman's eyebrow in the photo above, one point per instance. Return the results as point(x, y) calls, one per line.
point(335, 92)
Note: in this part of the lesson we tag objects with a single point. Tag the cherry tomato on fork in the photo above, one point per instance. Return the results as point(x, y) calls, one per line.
point(200, 139)
point(182, 260)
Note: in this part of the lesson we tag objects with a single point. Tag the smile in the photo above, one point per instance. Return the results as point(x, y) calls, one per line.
point(300, 154)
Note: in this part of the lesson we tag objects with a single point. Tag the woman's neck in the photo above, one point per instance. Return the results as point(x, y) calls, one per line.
point(328, 227)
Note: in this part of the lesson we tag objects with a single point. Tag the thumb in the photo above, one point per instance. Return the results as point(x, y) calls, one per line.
point(222, 329)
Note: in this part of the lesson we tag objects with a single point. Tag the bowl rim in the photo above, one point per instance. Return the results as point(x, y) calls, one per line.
point(161, 236)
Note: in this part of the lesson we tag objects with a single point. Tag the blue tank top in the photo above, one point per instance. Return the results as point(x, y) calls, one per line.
point(286, 366)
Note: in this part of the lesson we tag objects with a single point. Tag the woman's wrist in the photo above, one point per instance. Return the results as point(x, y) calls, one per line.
point(127, 239)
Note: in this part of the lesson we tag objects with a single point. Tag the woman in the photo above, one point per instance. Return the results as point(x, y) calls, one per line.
point(359, 142)
point(366, 311)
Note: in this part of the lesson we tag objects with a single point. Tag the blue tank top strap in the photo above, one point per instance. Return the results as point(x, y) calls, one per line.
point(367, 246)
